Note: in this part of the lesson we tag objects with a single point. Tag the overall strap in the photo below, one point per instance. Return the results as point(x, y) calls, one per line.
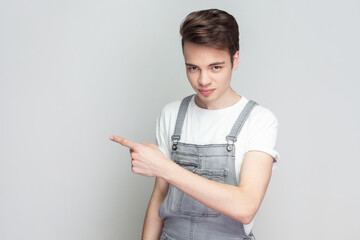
point(180, 121)
point(239, 123)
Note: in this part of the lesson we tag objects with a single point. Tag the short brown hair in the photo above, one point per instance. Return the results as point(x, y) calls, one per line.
point(212, 27)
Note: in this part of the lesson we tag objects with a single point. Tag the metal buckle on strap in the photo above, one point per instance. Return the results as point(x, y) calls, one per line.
point(229, 146)
point(175, 139)
point(230, 142)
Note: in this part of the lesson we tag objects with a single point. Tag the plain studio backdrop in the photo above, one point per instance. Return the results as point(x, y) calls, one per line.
point(75, 72)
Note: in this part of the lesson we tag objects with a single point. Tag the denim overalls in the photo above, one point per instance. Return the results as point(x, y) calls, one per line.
point(185, 218)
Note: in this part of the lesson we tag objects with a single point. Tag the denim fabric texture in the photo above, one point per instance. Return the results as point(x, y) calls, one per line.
point(184, 217)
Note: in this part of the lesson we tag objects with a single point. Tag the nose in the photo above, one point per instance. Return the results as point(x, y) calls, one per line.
point(204, 79)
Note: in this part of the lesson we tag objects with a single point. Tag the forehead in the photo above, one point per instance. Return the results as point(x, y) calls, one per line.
point(202, 55)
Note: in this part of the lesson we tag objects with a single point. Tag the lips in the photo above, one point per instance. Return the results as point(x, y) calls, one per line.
point(206, 92)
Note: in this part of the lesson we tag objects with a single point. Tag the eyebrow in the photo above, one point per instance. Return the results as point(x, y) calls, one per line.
point(211, 64)
point(216, 63)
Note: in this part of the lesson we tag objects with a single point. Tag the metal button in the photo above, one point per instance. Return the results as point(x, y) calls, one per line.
point(229, 147)
point(174, 146)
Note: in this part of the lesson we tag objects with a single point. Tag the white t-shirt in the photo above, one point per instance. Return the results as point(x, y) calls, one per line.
point(204, 126)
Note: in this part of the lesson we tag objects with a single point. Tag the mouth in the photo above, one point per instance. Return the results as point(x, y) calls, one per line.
point(206, 92)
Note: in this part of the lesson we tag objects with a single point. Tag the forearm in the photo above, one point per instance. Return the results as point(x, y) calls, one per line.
point(238, 202)
point(234, 201)
point(153, 224)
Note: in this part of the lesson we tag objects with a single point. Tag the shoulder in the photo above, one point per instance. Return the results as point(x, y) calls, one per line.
point(262, 116)
point(170, 110)
point(171, 107)
point(167, 118)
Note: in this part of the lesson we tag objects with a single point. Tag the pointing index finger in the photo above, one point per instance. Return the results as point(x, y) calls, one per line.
point(123, 141)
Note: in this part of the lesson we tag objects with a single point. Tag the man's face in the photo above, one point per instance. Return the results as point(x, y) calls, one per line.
point(209, 72)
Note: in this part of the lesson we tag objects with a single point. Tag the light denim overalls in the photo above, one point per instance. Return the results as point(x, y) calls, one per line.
point(185, 218)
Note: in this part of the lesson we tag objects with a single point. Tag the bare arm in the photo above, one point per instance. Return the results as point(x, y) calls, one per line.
point(238, 202)
point(153, 223)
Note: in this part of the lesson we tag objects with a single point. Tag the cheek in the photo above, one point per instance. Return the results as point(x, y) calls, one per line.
point(191, 77)
point(225, 78)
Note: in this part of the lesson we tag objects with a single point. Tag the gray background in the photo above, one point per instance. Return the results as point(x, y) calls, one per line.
point(73, 73)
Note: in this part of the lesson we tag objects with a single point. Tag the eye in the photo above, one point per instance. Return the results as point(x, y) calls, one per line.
point(192, 68)
point(216, 68)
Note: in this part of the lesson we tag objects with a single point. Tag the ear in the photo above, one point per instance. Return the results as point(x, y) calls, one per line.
point(235, 61)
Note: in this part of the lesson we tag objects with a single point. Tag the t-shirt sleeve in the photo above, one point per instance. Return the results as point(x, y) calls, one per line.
point(262, 134)
point(162, 139)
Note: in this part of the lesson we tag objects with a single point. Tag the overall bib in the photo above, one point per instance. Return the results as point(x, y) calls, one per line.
point(186, 218)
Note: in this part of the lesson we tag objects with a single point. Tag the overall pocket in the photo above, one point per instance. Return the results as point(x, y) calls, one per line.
point(183, 204)
point(165, 237)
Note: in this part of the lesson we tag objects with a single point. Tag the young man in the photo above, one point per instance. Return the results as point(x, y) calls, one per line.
point(205, 189)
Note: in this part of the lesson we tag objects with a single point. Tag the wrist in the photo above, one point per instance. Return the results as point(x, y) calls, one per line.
point(166, 169)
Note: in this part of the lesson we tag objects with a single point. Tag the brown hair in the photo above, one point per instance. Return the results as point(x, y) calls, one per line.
point(212, 27)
